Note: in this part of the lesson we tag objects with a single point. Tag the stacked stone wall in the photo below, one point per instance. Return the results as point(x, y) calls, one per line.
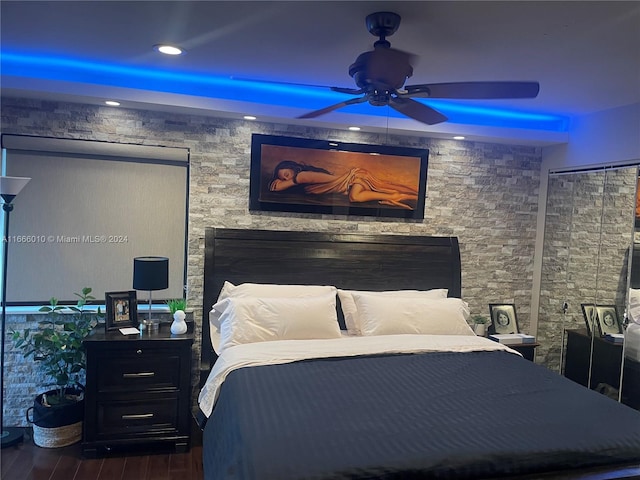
point(486, 194)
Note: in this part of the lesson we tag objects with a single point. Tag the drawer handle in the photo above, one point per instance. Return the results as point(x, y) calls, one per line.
point(137, 417)
point(138, 375)
point(138, 351)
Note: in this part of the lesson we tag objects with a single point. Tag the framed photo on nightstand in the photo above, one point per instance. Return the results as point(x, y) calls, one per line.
point(589, 313)
point(503, 318)
point(122, 310)
point(608, 319)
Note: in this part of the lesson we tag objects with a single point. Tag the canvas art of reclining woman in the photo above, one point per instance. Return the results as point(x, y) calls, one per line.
point(358, 184)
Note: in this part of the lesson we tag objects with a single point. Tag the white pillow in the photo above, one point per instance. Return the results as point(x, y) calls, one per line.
point(259, 290)
point(634, 305)
point(351, 316)
point(390, 315)
point(261, 319)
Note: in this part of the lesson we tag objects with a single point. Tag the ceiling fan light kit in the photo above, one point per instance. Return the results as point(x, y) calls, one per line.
point(380, 75)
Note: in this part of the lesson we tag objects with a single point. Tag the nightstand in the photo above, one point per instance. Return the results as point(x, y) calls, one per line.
point(607, 359)
point(138, 391)
point(528, 350)
point(605, 367)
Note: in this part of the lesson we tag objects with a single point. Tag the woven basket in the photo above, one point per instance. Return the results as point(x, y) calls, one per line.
point(58, 425)
point(58, 436)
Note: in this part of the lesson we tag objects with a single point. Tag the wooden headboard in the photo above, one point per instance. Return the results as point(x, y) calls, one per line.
point(348, 261)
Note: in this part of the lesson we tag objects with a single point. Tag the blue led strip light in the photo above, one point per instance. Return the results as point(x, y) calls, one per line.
point(308, 97)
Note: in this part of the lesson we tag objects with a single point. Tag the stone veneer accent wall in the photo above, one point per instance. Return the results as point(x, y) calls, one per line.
point(485, 194)
point(588, 232)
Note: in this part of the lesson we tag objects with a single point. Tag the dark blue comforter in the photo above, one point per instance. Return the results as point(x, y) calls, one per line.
point(431, 415)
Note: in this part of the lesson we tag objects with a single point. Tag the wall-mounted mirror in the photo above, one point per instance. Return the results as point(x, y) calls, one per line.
point(588, 239)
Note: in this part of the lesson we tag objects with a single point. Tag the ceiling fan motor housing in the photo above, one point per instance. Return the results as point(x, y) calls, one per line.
point(357, 70)
point(381, 69)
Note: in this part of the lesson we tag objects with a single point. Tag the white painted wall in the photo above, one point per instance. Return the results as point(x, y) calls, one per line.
point(603, 138)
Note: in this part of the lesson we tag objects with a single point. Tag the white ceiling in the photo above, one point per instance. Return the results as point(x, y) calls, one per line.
point(585, 54)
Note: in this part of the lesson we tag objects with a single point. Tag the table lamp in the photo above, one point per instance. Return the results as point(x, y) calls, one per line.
point(150, 273)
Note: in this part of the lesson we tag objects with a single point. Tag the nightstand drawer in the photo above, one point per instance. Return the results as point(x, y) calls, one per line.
point(140, 372)
point(132, 417)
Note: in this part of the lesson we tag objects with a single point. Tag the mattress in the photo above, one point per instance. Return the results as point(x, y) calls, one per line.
point(462, 414)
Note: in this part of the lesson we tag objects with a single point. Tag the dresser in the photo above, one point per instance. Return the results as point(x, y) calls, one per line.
point(138, 392)
point(605, 368)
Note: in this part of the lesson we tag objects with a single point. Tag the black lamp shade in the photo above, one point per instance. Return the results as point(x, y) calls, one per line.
point(150, 273)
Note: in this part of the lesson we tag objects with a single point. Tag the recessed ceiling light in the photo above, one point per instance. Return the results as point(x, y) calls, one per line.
point(249, 117)
point(169, 49)
point(354, 129)
point(112, 103)
point(458, 137)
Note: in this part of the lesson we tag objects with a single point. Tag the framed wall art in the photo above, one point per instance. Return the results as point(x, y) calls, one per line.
point(503, 318)
point(608, 321)
point(320, 176)
point(122, 310)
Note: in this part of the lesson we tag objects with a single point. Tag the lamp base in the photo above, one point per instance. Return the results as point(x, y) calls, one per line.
point(150, 325)
point(12, 436)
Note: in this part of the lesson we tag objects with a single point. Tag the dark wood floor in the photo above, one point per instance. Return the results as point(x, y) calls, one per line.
point(27, 461)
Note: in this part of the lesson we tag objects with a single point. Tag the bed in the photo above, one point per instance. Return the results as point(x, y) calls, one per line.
point(388, 386)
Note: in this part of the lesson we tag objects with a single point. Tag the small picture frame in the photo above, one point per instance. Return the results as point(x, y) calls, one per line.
point(589, 313)
point(608, 321)
point(122, 310)
point(503, 318)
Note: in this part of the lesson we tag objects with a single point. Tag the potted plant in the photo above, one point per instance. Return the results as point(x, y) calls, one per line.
point(57, 346)
point(177, 304)
point(177, 308)
point(480, 325)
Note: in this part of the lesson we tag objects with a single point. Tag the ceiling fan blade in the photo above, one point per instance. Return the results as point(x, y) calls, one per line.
point(474, 90)
point(416, 110)
point(350, 91)
point(347, 90)
point(331, 108)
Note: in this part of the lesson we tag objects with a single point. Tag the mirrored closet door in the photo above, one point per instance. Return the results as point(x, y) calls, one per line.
point(588, 248)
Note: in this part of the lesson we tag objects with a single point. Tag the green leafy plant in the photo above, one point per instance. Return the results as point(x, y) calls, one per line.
point(177, 304)
point(480, 319)
point(57, 342)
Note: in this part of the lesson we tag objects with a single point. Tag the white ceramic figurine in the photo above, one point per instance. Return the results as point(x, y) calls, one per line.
point(179, 326)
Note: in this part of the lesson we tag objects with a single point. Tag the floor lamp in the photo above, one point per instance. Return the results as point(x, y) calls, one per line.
point(9, 188)
point(150, 273)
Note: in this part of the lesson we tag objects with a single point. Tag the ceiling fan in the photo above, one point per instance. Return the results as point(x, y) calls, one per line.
point(380, 75)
